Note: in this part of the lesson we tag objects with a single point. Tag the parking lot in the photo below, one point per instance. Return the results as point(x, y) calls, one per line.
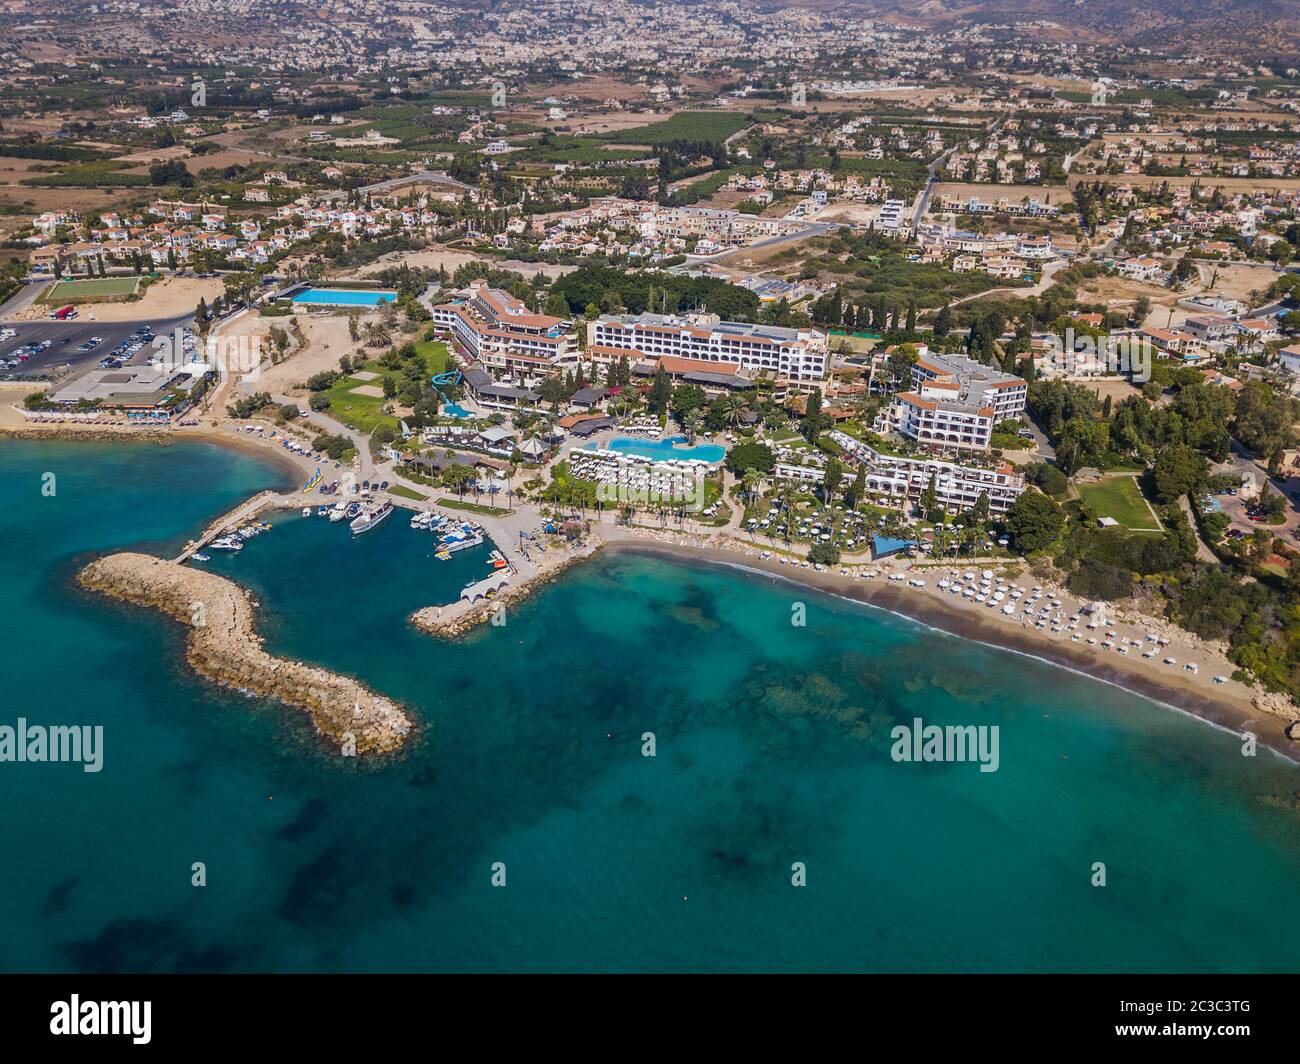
point(62, 356)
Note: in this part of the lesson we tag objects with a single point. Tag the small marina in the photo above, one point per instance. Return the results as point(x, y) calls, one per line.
point(516, 558)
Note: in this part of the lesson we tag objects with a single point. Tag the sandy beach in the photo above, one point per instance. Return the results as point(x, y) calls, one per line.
point(1231, 706)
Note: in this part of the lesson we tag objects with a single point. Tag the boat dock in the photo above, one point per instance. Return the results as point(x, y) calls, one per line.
point(485, 588)
point(241, 515)
point(504, 539)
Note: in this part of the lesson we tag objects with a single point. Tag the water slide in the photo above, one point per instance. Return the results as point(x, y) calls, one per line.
point(442, 380)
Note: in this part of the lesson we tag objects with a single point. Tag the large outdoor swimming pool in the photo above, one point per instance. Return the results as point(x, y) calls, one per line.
point(669, 447)
point(344, 297)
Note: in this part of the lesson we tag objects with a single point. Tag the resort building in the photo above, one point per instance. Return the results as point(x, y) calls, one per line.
point(713, 377)
point(487, 393)
point(955, 402)
point(797, 355)
point(957, 485)
point(153, 393)
point(498, 330)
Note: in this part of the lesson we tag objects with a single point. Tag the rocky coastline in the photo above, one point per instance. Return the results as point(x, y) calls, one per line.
point(223, 646)
point(457, 618)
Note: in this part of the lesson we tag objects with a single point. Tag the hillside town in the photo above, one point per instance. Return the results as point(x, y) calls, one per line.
point(837, 293)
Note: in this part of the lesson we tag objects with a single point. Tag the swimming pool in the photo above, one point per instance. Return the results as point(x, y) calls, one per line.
point(344, 297)
point(670, 447)
point(455, 410)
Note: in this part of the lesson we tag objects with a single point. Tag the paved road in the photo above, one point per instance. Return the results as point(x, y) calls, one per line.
point(24, 297)
point(923, 200)
point(1203, 553)
point(1240, 461)
point(1043, 446)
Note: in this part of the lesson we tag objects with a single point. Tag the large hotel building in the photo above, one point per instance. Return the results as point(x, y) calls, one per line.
point(955, 402)
point(796, 355)
point(499, 331)
point(957, 486)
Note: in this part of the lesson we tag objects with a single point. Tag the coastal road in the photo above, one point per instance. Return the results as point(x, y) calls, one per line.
point(23, 298)
point(321, 422)
point(1203, 553)
point(324, 423)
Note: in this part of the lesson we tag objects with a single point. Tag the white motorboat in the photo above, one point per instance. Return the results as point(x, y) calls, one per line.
point(370, 517)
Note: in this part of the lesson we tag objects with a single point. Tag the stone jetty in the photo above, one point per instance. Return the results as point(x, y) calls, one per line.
point(223, 646)
point(457, 618)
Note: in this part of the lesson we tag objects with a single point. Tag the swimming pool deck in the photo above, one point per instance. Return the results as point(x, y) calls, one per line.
point(666, 448)
point(343, 297)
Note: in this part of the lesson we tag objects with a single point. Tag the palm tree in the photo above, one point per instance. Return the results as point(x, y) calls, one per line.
point(749, 482)
point(693, 422)
point(734, 408)
point(377, 334)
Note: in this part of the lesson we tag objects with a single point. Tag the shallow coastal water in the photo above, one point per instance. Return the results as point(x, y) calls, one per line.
point(772, 748)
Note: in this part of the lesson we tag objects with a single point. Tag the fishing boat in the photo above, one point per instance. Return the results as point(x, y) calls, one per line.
point(322, 511)
point(370, 517)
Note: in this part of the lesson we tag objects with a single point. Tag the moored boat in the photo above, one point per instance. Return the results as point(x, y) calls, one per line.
point(370, 517)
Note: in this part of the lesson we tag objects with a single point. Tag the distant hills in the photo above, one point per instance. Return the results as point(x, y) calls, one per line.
point(1265, 28)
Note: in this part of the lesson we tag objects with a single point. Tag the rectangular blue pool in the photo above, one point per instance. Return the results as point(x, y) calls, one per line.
point(344, 297)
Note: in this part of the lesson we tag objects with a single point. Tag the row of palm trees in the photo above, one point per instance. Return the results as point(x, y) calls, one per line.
point(948, 539)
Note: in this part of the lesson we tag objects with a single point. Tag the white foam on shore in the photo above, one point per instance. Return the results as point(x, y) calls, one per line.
point(993, 646)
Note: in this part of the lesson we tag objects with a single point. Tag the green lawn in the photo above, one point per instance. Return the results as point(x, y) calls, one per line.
point(365, 413)
point(435, 354)
point(405, 492)
point(89, 289)
point(685, 125)
point(1120, 498)
point(474, 508)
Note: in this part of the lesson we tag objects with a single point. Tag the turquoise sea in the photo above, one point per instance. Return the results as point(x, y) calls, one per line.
point(772, 748)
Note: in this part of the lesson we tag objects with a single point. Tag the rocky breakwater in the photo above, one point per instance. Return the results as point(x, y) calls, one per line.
point(223, 646)
point(460, 617)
